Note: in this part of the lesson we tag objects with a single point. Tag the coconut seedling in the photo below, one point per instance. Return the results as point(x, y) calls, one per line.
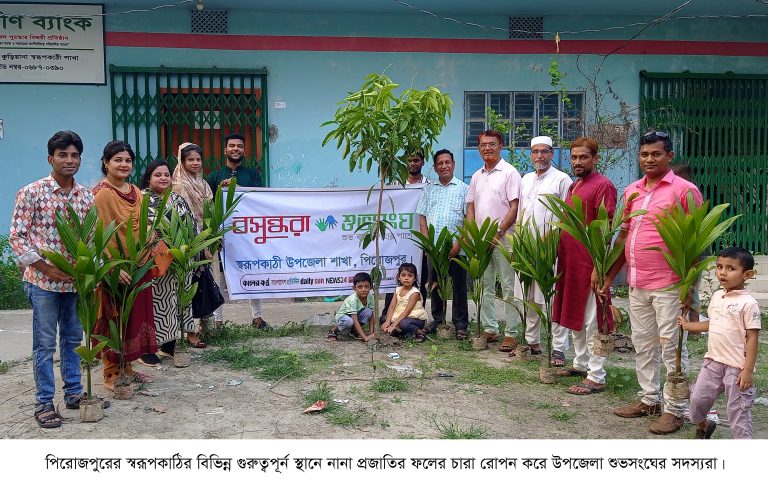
point(186, 248)
point(535, 258)
point(477, 244)
point(526, 282)
point(596, 237)
point(438, 251)
point(87, 261)
point(135, 261)
point(217, 211)
point(687, 233)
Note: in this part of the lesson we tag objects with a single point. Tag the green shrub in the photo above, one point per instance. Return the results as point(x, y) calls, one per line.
point(12, 295)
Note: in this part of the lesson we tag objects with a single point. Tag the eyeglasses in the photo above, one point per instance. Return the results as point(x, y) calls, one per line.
point(663, 135)
point(490, 145)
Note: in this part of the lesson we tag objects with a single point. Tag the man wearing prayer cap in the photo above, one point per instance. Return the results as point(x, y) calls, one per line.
point(545, 179)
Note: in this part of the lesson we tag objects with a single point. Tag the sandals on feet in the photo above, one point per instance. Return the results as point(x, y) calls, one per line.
point(558, 358)
point(47, 417)
point(461, 335)
point(585, 389)
point(197, 344)
point(535, 348)
point(420, 336)
point(508, 344)
point(331, 336)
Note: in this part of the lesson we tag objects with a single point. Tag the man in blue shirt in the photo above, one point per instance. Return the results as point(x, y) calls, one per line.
point(443, 204)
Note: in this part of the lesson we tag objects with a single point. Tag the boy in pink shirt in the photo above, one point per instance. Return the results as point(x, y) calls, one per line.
point(729, 364)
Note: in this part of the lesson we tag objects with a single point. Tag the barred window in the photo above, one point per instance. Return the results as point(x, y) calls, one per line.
point(530, 113)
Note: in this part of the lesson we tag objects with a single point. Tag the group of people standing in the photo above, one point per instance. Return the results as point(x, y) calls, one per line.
point(498, 192)
point(153, 322)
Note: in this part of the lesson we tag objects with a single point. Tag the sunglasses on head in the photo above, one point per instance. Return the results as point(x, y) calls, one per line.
point(663, 135)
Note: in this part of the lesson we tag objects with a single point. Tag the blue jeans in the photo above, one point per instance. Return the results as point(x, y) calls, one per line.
point(52, 311)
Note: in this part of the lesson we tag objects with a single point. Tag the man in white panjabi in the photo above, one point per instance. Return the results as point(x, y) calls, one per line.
point(545, 179)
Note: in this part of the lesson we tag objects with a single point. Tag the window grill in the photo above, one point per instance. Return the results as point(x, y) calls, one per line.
point(156, 109)
point(526, 28)
point(719, 126)
point(210, 21)
point(529, 113)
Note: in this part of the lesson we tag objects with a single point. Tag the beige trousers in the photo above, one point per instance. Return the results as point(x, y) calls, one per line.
point(499, 265)
point(653, 315)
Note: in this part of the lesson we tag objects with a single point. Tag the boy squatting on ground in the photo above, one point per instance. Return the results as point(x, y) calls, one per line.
point(729, 364)
point(355, 311)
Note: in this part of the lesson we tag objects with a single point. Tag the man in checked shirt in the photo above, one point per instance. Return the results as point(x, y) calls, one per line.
point(50, 291)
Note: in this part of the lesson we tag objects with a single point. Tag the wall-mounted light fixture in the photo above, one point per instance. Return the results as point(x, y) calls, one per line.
point(199, 5)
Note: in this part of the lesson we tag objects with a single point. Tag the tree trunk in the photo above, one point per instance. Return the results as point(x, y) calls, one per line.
point(377, 233)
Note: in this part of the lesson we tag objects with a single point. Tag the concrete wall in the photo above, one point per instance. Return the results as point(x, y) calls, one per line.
point(312, 82)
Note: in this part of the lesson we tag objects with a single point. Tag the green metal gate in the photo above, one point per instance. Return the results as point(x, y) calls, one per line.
point(156, 109)
point(719, 126)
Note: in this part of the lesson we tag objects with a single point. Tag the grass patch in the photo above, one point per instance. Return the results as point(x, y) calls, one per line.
point(407, 436)
point(334, 412)
point(320, 356)
point(12, 296)
point(397, 399)
point(543, 406)
point(320, 360)
point(621, 382)
point(697, 347)
point(761, 373)
point(5, 366)
point(287, 329)
point(321, 392)
point(625, 327)
point(386, 385)
point(479, 373)
point(244, 357)
point(563, 416)
point(267, 364)
point(453, 431)
point(349, 417)
point(231, 333)
point(281, 364)
point(464, 346)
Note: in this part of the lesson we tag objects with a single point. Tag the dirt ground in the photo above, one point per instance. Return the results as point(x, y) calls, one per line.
point(448, 392)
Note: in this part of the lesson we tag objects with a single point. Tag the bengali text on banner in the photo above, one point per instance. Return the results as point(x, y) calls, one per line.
point(303, 242)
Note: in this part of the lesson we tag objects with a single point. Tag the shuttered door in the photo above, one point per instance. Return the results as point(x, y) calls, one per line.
point(156, 109)
point(719, 126)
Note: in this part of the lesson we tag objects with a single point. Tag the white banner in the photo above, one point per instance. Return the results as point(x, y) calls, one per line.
point(51, 43)
point(302, 242)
